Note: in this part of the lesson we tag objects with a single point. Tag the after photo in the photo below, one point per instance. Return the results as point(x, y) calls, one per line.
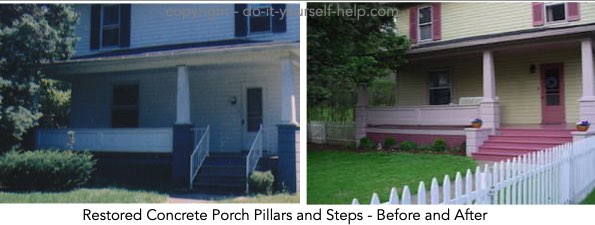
point(451, 103)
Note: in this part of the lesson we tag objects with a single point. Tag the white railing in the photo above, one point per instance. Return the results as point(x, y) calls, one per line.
point(560, 175)
point(253, 156)
point(154, 140)
point(323, 132)
point(423, 115)
point(201, 151)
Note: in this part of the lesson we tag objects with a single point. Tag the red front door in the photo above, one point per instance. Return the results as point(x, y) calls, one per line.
point(552, 94)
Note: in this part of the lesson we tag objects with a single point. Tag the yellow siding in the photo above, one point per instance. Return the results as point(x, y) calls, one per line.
point(460, 20)
point(465, 75)
point(517, 88)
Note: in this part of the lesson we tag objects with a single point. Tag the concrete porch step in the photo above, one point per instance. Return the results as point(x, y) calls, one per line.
point(222, 173)
point(534, 132)
point(516, 145)
point(535, 138)
point(545, 141)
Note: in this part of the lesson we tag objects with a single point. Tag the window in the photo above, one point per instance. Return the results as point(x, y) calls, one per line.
point(260, 18)
point(425, 23)
point(110, 25)
point(555, 11)
point(439, 87)
point(125, 106)
point(254, 108)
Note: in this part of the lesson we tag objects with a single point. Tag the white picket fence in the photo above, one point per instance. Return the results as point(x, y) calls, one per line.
point(324, 132)
point(560, 175)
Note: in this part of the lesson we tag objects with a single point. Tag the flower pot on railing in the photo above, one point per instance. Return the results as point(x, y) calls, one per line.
point(583, 125)
point(476, 123)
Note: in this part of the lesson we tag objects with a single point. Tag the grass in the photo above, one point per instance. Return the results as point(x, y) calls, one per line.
point(590, 200)
point(336, 177)
point(277, 198)
point(84, 195)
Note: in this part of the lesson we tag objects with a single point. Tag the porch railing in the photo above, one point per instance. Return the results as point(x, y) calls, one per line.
point(253, 156)
point(563, 174)
point(442, 115)
point(150, 140)
point(200, 153)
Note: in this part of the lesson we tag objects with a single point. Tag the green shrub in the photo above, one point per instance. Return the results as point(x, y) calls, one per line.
point(425, 148)
point(389, 142)
point(45, 169)
point(407, 146)
point(366, 143)
point(262, 182)
point(439, 146)
point(456, 150)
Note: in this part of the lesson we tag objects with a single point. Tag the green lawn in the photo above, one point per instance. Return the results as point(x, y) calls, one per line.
point(336, 177)
point(277, 198)
point(84, 195)
point(590, 200)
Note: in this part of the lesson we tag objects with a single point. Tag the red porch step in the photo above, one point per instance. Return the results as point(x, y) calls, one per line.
point(512, 142)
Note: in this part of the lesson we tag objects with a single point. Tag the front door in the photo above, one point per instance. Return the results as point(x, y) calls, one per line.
point(552, 94)
point(253, 115)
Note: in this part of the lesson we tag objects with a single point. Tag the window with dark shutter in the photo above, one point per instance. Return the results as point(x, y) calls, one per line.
point(110, 26)
point(254, 109)
point(425, 23)
point(125, 106)
point(260, 18)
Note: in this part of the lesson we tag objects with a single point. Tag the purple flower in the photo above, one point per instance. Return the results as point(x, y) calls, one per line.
point(583, 123)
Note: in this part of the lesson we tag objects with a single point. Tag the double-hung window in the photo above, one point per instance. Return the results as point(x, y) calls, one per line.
point(425, 23)
point(555, 11)
point(260, 18)
point(110, 25)
point(439, 87)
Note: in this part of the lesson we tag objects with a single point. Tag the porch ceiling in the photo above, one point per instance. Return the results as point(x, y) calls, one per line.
point(253, 54)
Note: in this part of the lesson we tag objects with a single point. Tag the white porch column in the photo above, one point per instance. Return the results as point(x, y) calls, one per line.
point(361, 114)
point(489, 106)
point(587, 101)
point(183, 96)
point(288, 113)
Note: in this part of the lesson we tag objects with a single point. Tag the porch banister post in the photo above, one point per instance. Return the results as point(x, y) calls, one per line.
point(489, 106)
point(183, 96)
point(489, 83)
point(361, 114)
point(288, 113)
point(587, 69)
point(587, 101)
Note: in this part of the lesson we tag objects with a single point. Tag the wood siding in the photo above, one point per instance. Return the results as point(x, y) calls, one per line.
point(158, 24)
point(462, 20)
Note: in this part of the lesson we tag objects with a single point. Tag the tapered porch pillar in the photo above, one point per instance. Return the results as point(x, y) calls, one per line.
point(183, 96)
point(288, 131)
point(182, 133)
point(587, 100)
point(361, 114)
point(288, 108)
point(489, 106)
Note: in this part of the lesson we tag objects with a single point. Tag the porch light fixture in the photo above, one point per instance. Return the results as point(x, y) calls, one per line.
point(233, 100)
point(532, 68)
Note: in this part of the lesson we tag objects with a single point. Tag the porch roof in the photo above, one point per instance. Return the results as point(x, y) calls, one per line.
point(544, 33)
point(203, 53)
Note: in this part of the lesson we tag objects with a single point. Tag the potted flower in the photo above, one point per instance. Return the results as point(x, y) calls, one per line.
point(476, 123)
point(583, 125)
